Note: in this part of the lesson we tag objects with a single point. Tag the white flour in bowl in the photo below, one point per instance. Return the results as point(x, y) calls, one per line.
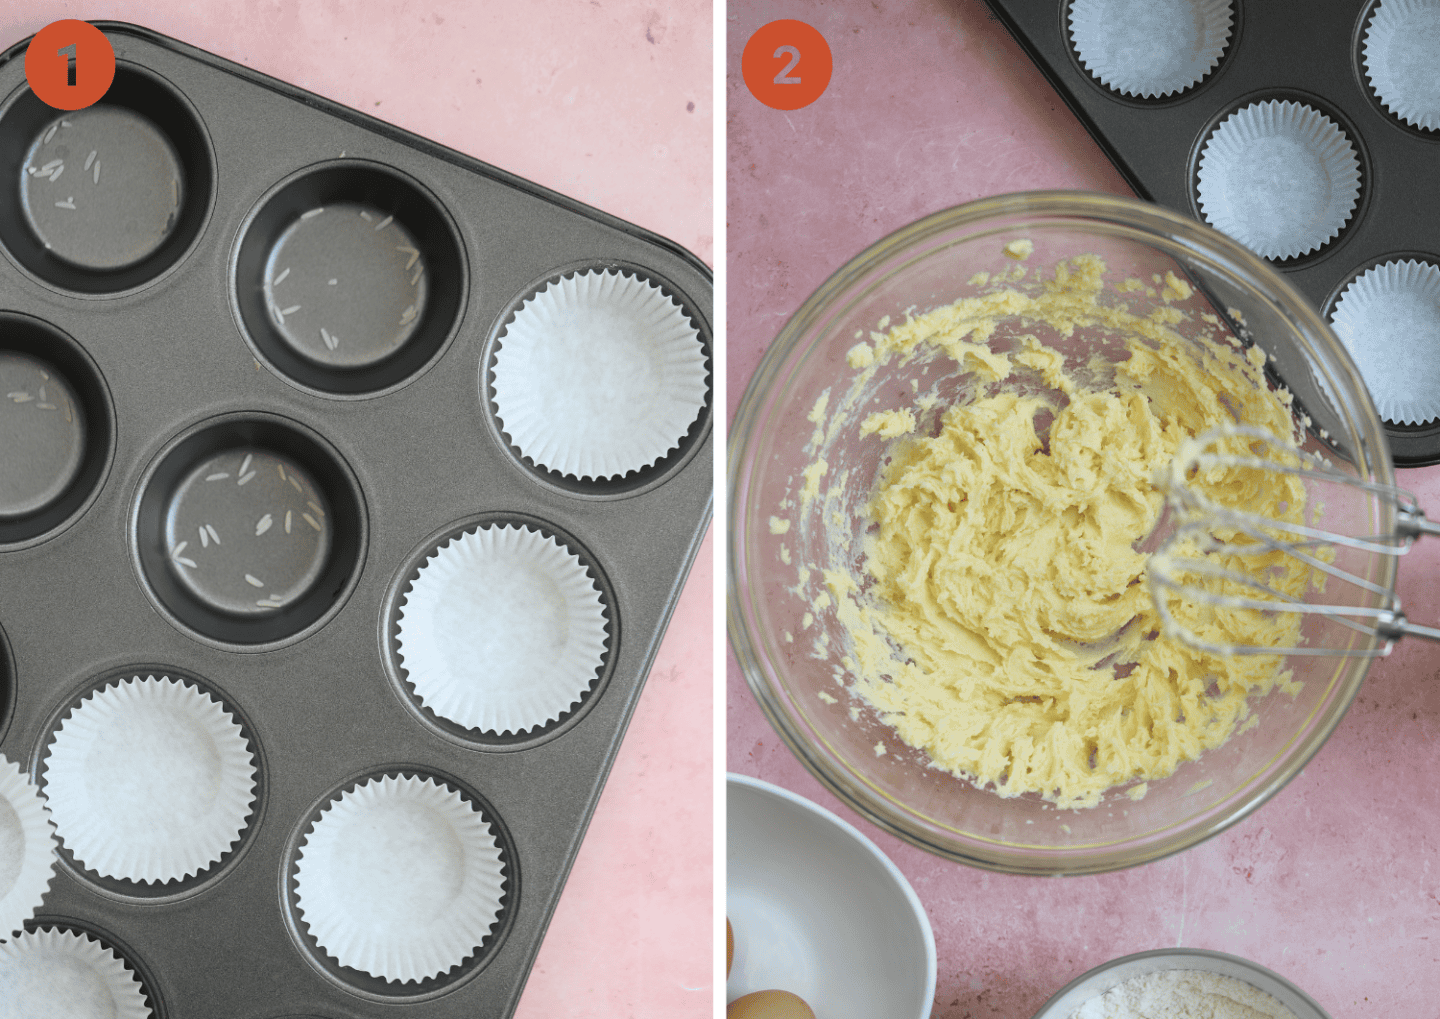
point(1183, 994)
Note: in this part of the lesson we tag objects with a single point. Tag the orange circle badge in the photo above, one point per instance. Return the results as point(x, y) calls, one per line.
point(786, 65)
point(69, 64)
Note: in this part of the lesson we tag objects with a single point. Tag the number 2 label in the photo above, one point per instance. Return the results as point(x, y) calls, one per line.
point(771, 65)
point(783, 77)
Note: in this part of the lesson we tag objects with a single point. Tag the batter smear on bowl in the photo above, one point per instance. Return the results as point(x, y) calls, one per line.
point(988, 586)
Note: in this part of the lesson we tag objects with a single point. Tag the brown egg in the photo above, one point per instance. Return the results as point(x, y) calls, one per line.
point(769, 1005)
point(729, 946)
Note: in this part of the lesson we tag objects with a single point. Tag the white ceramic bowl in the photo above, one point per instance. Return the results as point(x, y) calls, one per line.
point(1117, 971)
point(820, 911)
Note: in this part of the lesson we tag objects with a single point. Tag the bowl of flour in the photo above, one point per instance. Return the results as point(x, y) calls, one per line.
point(1181, 983)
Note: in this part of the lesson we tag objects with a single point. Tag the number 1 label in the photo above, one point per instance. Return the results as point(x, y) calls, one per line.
point(69, 64)
point(68, 52)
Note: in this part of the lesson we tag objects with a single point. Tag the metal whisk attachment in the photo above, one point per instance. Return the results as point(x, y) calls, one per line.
point(1245, 550)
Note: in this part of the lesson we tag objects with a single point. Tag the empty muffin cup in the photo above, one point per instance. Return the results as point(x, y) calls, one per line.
point(27, 848)
point(44, 427)
point(349, 278)
point(149, 780)
point(55, 419)
point(1280, 177)
point(1389, 320)
point(598, 374)
point(400, 878)
point(101, 188)
point(249, 530)
point(105, 198)
point(346, 285)
point(1150, 48)
point(1401, 52)
point(502, 630)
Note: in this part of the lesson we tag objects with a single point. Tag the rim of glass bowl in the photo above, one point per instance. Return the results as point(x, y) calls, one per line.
point(817, 316)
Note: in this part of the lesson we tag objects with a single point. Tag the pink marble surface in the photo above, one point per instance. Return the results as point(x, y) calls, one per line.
point(609, 102)
point(1332, 883)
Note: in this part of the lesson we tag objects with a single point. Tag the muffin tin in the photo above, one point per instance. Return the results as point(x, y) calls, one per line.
point(1273, 54)
point(233, 467)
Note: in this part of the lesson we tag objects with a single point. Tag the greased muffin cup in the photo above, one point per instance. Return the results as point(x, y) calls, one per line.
point(1389, 321)
point(27, 848)
point(94, 223)
point(1279, 177)
point(353, 268)
point(1150, 48)
point(56, 420)
point(44, 431)
point(63, 973)
point(400, 878)
point(258, 485)
point(1401, 54)
point(503, 630)
point(149, 780)
point(599, 374)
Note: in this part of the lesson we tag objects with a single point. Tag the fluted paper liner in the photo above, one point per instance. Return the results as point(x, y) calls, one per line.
point(62, 973)
point(1150, 47)
point(1402, 59)
point(1279, 177)
point(149, 780)
point(1389, 321)
point(400, 878)
point(502, 630)
point(599, 374)
point(27, 848)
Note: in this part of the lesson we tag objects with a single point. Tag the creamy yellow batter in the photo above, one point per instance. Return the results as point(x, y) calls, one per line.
point(1000, 620)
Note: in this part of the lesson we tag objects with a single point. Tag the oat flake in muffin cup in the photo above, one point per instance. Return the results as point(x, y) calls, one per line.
point(400, 878)
point(1150, 48)
point(502, 630)
point(599, 374)
point(1279, 177)
point(149, 780)
point(27, 848)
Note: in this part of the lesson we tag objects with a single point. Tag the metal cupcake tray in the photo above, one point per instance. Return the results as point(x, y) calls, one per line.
point(1275, 52)
point(178, 349)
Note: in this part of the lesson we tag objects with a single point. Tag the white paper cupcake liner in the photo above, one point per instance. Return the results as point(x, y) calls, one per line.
point(599, 374)
point(27, 848)
point(400, 878)
point(1279, 177)
point(1389, 321)
point(61, 973)
point(1402, 60)
point(502, 630)
point(149, 780)
point(1150, 47)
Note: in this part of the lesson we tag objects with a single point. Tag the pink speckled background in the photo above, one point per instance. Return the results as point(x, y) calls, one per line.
point(609, 102)
point(1333, 882)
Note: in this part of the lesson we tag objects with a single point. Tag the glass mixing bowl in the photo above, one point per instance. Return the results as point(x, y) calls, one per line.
point(790, 662)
